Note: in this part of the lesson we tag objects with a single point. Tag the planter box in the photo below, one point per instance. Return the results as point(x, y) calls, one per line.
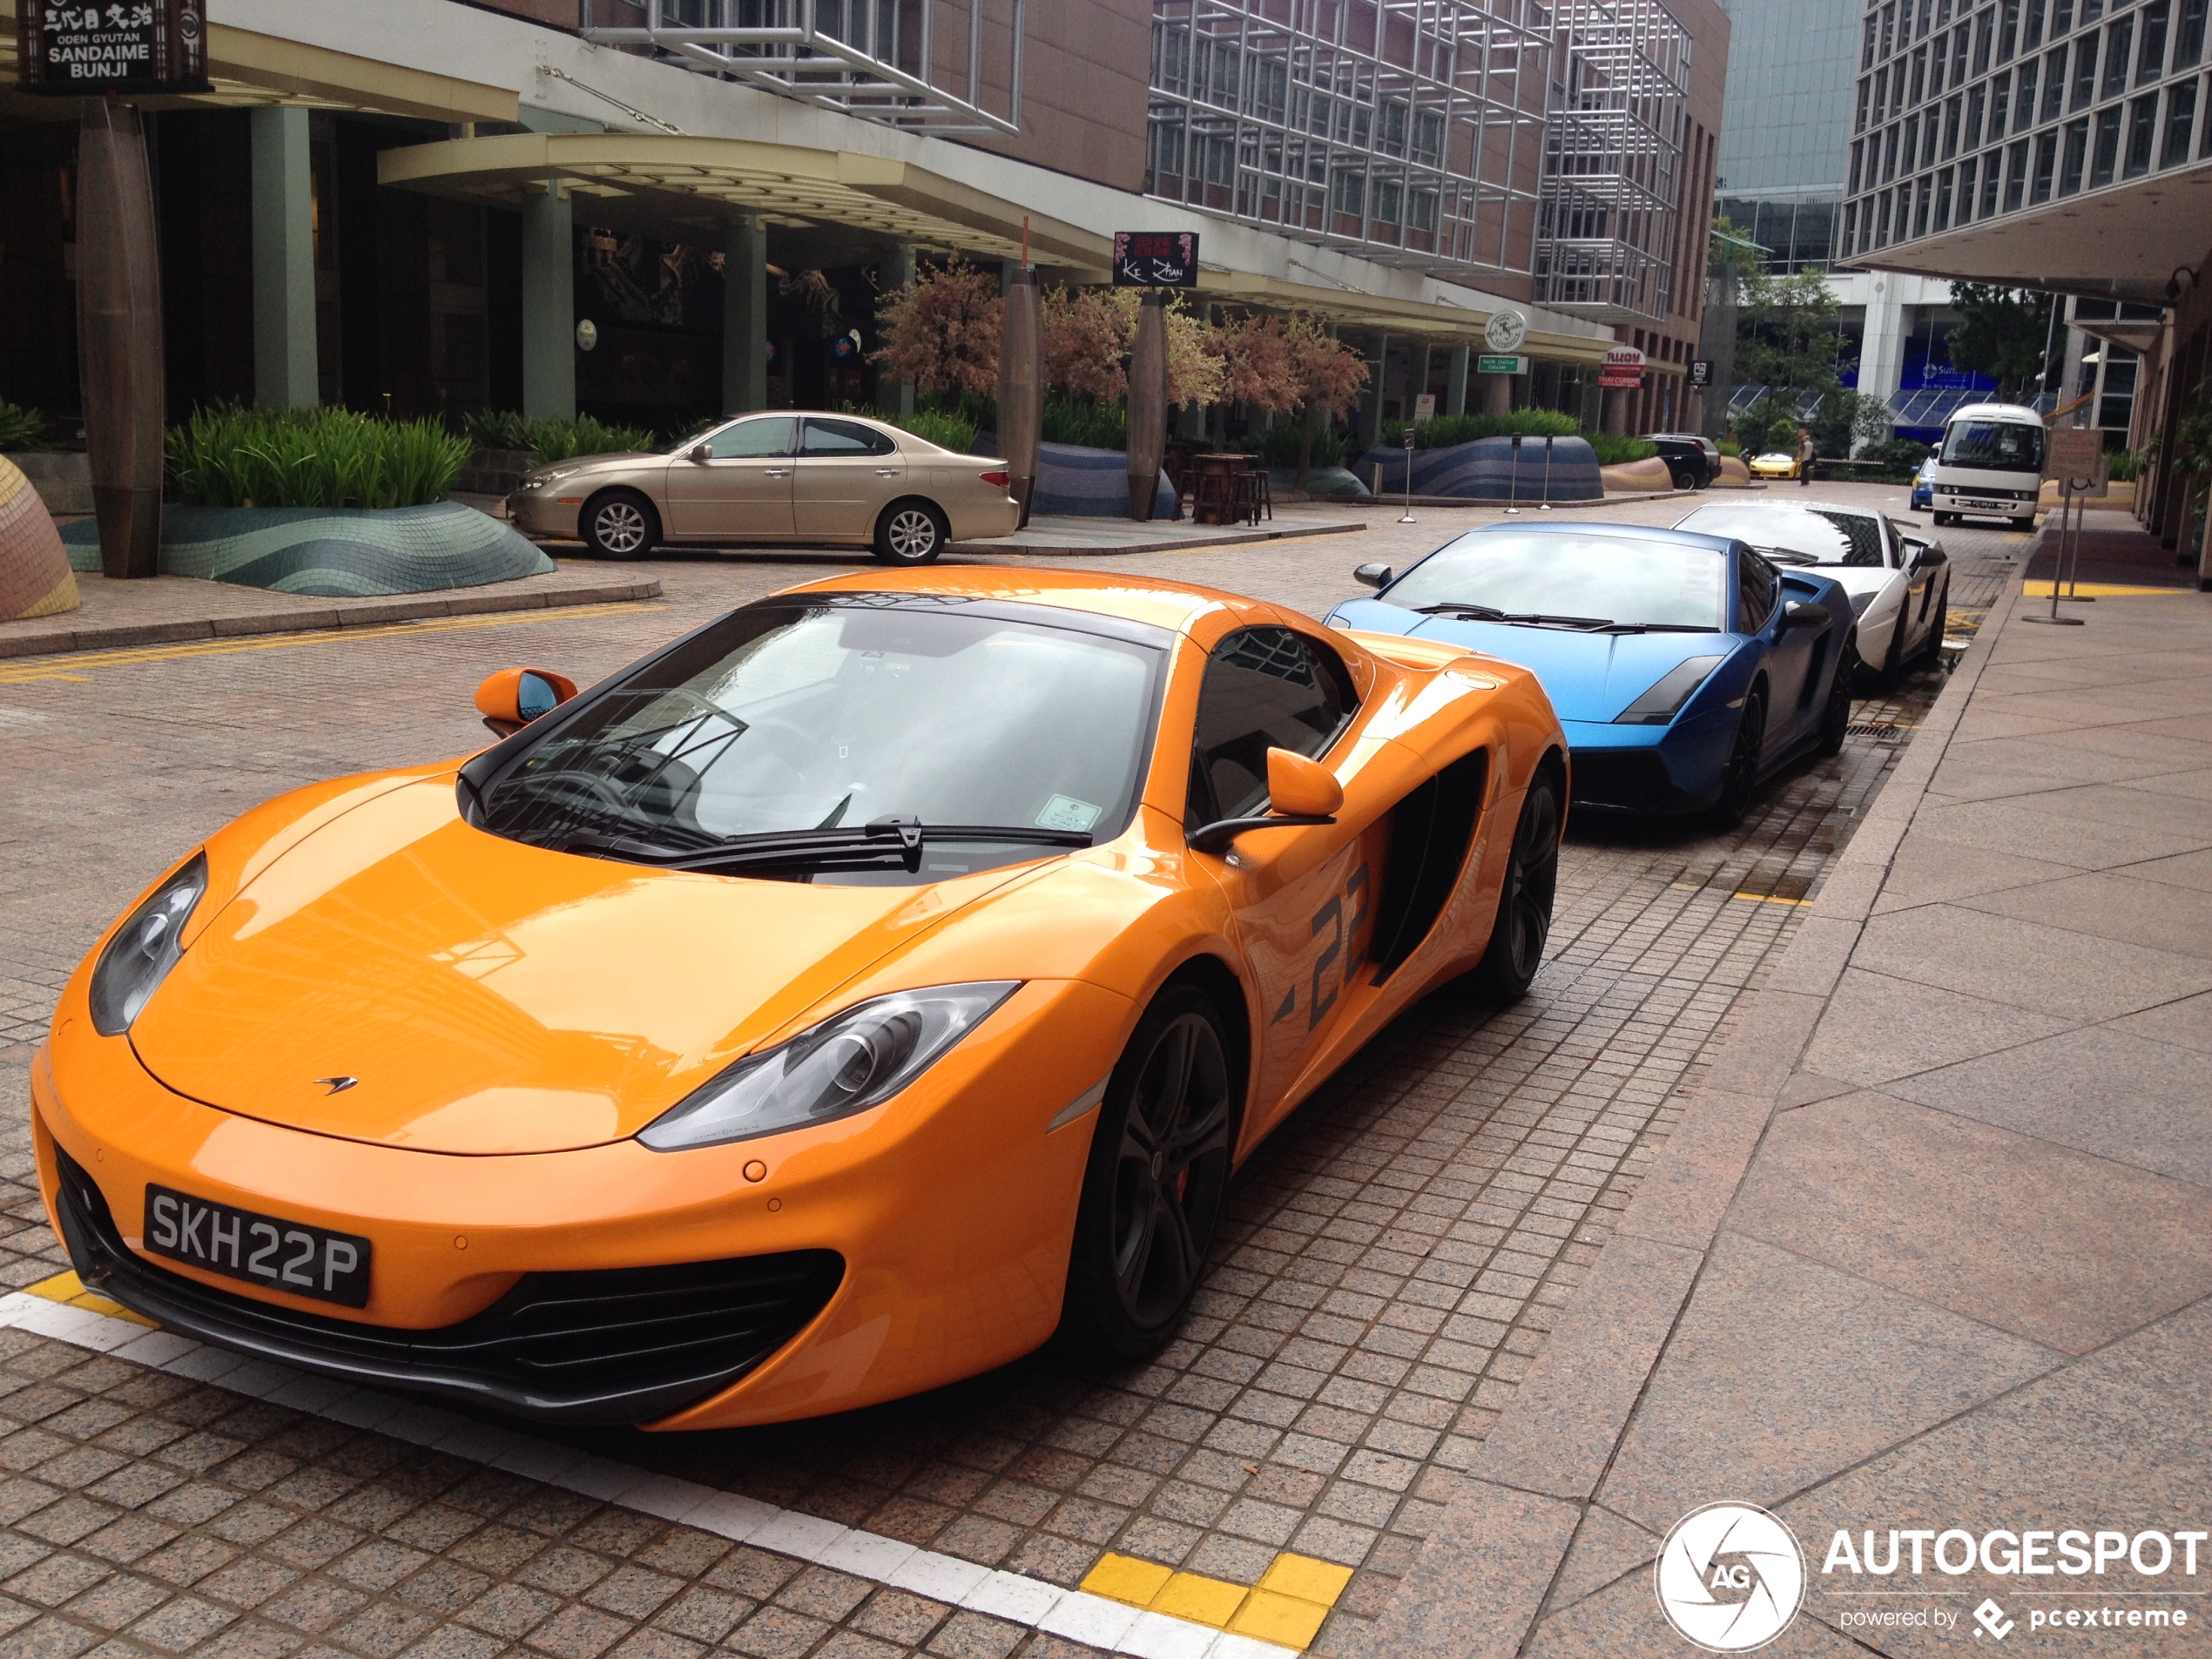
point(62, 477)
point(334, 552)
point(1491, 469)
point(1076, 483)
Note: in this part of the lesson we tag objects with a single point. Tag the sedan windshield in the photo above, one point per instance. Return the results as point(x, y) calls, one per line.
point(1567, 579)
point(816, 738)
point(1824, 534)
point(1994, 446)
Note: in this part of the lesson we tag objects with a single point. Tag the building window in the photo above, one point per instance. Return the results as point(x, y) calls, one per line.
point(1982, 42)
point(1857, 151)
point(2000, 99)
point(1959, 54)
point(2150, 61)
point(2047, 161)
point(2024, 110)
point(2085, 72)
point(1973, 117)
point(2015, 175)
point(2077, 150)
point(2119, 37)
point(1989, 182)
point(1966, 189)
point(2188, 39)
point(1866, 46)
point(1911, 145)
point(2116, 401)
point(2032, 36)
point(1865, 95)
point(1889, 155)
point(2053, 85)
point(1920, 76)
point(1942, 201)
point(2142, 128)
point(1882, 222)
point(1922, 199)
point(2181, 116)
point(2007, 29)
point(2106, 161)
point(1951, 128)
point(2061, 19)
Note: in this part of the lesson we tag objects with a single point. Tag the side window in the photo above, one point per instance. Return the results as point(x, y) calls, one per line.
point(1755, 586)
point(1264, 688)
point(754, 440)
point(847, 438)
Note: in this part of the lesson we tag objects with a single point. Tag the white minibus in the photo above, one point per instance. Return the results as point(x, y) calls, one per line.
point(1991, 464)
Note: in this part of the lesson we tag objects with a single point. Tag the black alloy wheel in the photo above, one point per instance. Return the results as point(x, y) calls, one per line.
point(1153, 1189)
point(1742, 776)
point(1684, 478)
point(911, 532)
point(1894, 665)
point(1524, 922)
point(1930, 650)
point(1835, 719)
point(620, 524)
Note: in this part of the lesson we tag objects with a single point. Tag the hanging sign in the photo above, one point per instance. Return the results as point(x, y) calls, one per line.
point(1486, 364)
point(1504, 331)
point(1701, 373)
point(129, 47)
point(1623, 366)
point(1156, 259)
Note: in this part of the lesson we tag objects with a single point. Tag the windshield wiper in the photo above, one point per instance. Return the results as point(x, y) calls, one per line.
point(1470, 613)
point(884, 843)
point(1786, 556)
point(1519, 618)
point(1655, 628)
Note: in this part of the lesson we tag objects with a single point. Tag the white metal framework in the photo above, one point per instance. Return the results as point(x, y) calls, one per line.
point(926, 64)
point(1407, 130)
point(1612, 174)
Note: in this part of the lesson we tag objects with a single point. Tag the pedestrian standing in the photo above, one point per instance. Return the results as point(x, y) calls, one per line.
point(1805, 457)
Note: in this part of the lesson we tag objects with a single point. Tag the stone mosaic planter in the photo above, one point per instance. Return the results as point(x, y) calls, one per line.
point(35, 575)
point(1491, 469)
point(1080, 482)
point(344, 552)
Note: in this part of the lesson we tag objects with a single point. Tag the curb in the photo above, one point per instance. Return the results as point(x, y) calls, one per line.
point(314, 617)
point(1181, 544)
point(1483, 1578)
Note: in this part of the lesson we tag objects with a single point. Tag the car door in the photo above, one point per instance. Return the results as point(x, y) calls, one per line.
point(1922, 563)
point(737, 484)
point(1302, 898)
point(1791, 651)
point(847, 474)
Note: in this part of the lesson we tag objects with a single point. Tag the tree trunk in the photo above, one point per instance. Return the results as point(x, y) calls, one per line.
point(1148, 404)
point(1021, 387)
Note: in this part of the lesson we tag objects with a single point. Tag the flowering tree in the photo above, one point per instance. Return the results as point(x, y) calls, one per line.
point(1196, 369)
point(1086, 340)
point(1256, 364)
point(1327, 374)
point(941, 330)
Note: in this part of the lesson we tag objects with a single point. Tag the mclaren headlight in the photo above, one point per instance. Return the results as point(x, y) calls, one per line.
point(1663, 701)
point(849, 1063)
point(144, 949)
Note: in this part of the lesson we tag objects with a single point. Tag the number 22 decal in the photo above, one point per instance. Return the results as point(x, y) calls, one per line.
point(1331, 916)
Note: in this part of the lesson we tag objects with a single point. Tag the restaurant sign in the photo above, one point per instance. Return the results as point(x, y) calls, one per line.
point(139, 46)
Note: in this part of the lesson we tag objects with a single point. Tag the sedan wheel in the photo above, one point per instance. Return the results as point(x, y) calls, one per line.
point(911, 532)
point(620, 524)
point(1152, 1192)
point(1742, 776)
point(1524, 922)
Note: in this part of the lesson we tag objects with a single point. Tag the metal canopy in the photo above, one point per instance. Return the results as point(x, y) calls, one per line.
point(912, 63)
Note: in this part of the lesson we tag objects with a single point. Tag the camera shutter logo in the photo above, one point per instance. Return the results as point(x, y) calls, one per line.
point(1730, 1577)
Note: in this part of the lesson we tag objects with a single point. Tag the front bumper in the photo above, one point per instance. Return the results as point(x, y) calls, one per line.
point(1649, 771)
point(540, 513)
point(950, 1209)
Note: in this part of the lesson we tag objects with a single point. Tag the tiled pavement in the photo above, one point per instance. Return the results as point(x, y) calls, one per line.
point(1394, 1258)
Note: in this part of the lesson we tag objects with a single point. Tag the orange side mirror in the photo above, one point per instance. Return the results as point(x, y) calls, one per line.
point(1300, 787)
point(514, 696)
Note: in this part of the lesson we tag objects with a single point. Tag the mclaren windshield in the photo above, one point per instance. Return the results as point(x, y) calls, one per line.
point(850, 738)
point(1569, 580)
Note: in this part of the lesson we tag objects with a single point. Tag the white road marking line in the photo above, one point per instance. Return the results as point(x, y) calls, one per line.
point(1075, 1614)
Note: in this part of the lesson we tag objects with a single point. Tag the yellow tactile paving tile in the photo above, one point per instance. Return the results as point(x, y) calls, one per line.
point(2096, 591)
point(1288, 1605)
point(67, 1287)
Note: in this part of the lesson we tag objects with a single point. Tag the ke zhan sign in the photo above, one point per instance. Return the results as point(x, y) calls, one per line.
point(129, 47)
point(1156, 259)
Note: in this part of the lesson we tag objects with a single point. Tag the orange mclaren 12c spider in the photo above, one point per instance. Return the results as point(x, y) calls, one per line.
point(850, 998)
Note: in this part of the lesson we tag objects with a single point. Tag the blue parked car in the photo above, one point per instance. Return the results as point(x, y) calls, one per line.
point(1685, 668)
point(1924, 485)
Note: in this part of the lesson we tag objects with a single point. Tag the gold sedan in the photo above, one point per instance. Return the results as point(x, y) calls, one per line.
point(781, 478)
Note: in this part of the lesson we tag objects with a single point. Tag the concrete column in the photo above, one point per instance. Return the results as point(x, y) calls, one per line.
point(283, 260)
point(1881, 351)
point(744, 317)
point(1417, 366)
point(1616, 408)
point(1497, 394)
point(549, 305)
point(892, 397)
point(1371, 401)
point(1455, 379)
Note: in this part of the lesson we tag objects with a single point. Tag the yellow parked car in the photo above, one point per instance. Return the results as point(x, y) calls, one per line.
point(786, 477)
point(1775, 465)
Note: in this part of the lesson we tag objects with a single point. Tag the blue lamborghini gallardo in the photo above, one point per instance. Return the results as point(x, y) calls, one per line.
point(1685, 668)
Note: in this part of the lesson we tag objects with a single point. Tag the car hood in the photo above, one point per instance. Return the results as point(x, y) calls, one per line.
point(492, 997)
point(1587, 677)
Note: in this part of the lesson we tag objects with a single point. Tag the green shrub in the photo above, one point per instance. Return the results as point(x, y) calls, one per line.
point(1898, 459)
point(1615, 448)
point(1081, 421)
point(23, 429)
point(2126, 465)
point(231, 456)
point(1278, 445)
point(946, 429)
point(1729, 446)
point(549, 439)
point(1442, 431)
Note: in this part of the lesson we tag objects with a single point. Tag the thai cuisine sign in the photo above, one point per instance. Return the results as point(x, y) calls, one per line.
point(126, 46)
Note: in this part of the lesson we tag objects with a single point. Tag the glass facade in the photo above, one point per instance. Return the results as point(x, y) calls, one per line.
point(1790, 65)
point(1965, 112)
point(1408, 130)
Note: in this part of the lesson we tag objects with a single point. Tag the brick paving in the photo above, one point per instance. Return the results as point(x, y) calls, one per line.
point(1392, 1260)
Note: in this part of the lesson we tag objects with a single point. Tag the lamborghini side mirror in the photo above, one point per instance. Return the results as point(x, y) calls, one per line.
point(1373, 576)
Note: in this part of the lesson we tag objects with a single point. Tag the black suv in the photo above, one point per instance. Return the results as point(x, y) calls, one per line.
point(1694, 461)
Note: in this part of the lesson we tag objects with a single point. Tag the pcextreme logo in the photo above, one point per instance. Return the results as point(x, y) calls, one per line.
point(1730, 1577)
